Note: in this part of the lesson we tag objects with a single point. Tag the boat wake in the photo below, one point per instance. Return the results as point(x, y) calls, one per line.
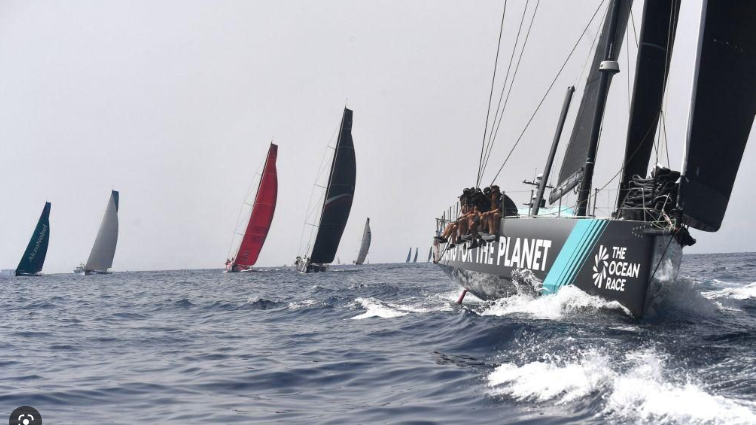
point(569, 300)
point(377, 308)
point(733, 292)
point(638, 387)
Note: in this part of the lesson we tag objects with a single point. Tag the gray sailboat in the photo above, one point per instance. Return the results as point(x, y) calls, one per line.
point(365, 244)
point(103, 251)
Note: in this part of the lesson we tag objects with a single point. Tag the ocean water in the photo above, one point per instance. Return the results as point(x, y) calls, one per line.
point(374, 344)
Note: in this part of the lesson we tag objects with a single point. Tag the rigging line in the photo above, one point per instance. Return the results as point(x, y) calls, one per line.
point(241, 209)
point(490, 95)
point(511, 84)
point(668, 65)
point(648, 132)
point(501, 96)
point(309, 211)
point(627, 56)
point(548, 90)
point(629, 93)
point(588, 54)
point(632, 22)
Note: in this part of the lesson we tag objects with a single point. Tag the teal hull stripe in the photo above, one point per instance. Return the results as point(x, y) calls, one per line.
point(572, 255)
point(589, 242)
point(576, 255)
point(558, 269)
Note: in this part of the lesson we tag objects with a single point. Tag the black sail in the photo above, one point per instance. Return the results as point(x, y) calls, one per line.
point(722, 110)
point(657, 37)
point(339, 195)
point(34, 256)
point(571, 172)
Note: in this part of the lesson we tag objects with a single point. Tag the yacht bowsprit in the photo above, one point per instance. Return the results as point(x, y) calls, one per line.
point(337, 203)
point(628, 256)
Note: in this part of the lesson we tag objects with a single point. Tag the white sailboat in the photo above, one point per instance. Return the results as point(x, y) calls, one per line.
point(103, 251)
point(364, 244)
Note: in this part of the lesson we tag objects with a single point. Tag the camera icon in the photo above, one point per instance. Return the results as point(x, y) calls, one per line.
point(25, 415)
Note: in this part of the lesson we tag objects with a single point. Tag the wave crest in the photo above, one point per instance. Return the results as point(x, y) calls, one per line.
point(636, 387)
point(567, 301)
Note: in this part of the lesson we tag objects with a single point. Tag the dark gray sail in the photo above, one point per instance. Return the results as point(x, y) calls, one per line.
point(657, 37)
point(571, 173)
point(34, 256)
point(409, 255)
point(722, 110)
point(430, 253)
point(415, 260)
point(339, 195)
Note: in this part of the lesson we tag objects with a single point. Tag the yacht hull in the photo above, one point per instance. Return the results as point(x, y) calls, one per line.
point(617, 260)
point(306, 267)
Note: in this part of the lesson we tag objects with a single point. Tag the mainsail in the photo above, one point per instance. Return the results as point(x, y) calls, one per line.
point(365, 245)
point(430, 253)
point(338, 197)
point(103, 251)
point(573, 165)
point(262, 214)
point(409, 255)
point(657, 38)
point(722, 110)
point(415, 260)
point(34, 256)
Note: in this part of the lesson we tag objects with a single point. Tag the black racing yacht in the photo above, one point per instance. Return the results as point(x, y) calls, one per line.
point(629, 255)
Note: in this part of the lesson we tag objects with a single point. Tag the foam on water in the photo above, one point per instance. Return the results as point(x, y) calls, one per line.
point(734, 292)
point(547, 381)
point(637, 387)
point(568, 300)
point(296, 305)
point(684, 296)
point(385, 310)
point(375, 308)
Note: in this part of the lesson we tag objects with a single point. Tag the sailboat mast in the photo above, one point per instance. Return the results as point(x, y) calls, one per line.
point(608, 68)
point(550, 161)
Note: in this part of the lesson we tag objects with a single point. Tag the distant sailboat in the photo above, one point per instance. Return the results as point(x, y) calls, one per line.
point(103, 251)
point(409, 255)
point(365, 245)
point(261, 217)
point(415, 259)
point(34, 256)
point(430, 253)
point(337, 202)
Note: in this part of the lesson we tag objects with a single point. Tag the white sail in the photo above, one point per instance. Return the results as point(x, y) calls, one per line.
point(366, 237)
point(103, 251)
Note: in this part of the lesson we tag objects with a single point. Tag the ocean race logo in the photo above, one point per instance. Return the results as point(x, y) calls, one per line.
point(612, 273)
point(523, 253)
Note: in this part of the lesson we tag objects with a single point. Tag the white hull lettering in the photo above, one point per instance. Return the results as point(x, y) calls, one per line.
point(521, 253)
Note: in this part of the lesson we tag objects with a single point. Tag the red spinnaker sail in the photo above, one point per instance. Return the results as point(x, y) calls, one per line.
point(262, 214)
